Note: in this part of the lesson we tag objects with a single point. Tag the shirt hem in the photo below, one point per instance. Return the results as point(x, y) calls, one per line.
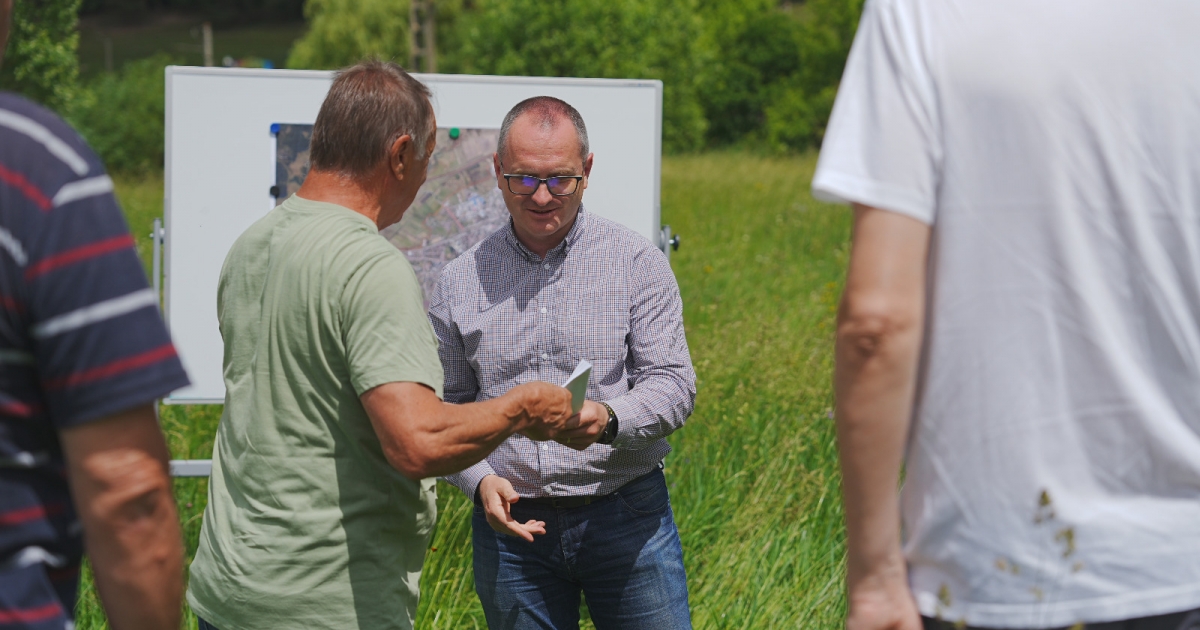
point(1101, 609)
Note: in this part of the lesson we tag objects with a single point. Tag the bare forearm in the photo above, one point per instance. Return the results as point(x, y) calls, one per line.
point(880, 324)
point(122, 489)
point(874, 393)
point(138, 562)
point(465, 434)
point(425, 437)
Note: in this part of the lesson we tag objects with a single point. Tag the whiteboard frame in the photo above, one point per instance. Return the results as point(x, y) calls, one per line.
point(652, 231)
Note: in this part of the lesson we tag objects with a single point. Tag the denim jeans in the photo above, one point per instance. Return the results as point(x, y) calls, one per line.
point(621, 552)
point(204, 625)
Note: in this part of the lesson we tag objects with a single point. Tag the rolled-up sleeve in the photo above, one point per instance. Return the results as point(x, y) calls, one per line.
point(662, 381)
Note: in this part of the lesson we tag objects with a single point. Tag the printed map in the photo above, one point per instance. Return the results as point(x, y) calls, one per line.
point(457, 207)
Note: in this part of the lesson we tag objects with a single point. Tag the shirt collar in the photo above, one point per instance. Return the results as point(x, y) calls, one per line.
point(573, 235)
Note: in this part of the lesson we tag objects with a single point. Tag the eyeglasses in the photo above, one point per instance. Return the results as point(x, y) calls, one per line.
point(558, 185)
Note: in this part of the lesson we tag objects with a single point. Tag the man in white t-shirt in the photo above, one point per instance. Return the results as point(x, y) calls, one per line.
point(1021, 321)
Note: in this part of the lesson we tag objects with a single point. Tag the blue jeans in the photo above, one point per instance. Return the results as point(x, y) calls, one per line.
point(204, 625)
point(622, 552)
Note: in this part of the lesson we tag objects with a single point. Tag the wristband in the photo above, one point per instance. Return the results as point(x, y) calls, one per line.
point(610, 431)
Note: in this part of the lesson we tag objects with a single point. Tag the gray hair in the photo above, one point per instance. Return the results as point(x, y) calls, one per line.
point(549, 111)
point(369, 105)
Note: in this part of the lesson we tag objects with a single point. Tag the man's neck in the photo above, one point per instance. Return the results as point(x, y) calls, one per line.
point(541, 247)
point(343, 191)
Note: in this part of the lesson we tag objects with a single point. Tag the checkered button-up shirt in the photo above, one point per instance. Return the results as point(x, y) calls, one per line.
point(504, 317)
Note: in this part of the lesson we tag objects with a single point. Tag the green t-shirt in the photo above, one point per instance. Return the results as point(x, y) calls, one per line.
point(307, 525)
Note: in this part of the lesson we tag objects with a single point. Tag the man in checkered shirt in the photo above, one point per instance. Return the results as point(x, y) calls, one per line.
point(590, 512)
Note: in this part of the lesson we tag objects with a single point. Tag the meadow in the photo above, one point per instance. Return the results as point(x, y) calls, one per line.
point(753, 477)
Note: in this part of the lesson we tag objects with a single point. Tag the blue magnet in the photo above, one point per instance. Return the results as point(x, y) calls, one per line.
point(275, 128)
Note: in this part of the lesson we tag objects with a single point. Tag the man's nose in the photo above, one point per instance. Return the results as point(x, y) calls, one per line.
point(542, 195)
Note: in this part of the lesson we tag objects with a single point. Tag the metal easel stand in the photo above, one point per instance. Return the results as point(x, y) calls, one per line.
point(178, 467)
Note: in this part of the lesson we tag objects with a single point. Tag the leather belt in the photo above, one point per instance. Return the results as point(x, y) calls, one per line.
point(566, 503)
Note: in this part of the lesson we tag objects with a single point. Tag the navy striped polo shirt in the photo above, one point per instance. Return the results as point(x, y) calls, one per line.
point(80, 339)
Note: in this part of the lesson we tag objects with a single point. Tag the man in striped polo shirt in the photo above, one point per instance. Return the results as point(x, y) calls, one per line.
point(83, 354)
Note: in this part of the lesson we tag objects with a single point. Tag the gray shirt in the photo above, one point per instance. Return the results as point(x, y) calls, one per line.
point(504, 317)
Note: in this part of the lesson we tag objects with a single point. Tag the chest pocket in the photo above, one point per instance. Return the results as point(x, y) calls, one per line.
point(594, 322)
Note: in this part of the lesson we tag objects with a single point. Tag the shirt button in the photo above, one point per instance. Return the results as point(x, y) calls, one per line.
point(545, 446)
point(546, 266)
point(543, 309)
point(545, 356)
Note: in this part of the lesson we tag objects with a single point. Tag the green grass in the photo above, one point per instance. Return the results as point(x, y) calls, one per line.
point(753, 477)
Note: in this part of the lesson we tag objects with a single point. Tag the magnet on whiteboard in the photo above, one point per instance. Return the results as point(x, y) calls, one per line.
point(274, 129)
point(454, 133)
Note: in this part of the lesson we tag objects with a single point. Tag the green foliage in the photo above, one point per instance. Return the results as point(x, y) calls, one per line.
point(41, 61)
point(778, 72)
point(121, 115)
point(342, 32)
point(583, 38)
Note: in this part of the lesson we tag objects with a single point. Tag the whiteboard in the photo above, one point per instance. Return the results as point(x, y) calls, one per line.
point(220, 164)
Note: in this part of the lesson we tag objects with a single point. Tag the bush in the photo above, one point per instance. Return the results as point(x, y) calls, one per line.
point(41, 61)
point(645, 39)
point(121, 115)
point(341, 32)
point(776, 78)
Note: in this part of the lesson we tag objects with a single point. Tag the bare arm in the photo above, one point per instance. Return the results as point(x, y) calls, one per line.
point(879, 330)
point(122, 488)
point(425, 437)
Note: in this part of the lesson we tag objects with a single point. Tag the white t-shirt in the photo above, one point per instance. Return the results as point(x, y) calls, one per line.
point(1053, 469)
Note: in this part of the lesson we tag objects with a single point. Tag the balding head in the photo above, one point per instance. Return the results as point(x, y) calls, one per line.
point(547, 112)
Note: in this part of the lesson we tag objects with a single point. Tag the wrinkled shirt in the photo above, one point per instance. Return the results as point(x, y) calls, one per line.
point(505, 316)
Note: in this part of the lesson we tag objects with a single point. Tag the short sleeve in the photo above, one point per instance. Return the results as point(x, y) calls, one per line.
point(89, 317)
point(882, 147)
point(387, 336)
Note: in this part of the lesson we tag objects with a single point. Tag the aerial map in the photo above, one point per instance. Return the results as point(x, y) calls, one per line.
point(457, 207)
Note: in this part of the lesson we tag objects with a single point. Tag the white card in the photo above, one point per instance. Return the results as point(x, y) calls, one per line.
point(577, 385)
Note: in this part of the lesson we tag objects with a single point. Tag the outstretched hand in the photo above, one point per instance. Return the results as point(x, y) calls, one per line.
point(545, 410)
point(497, 495)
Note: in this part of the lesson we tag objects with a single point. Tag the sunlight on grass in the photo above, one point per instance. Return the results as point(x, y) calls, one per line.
point(753, 477)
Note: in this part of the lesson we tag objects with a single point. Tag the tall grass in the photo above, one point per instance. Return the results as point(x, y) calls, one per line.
point(753, 477)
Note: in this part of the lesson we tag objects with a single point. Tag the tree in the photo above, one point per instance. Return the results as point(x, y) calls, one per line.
point(342, 32)
point(42, 62)
point(646, 39)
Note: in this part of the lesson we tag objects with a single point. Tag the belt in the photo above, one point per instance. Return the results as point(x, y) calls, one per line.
point(566, 503)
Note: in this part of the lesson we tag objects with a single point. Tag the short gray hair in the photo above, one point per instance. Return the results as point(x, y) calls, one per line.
point(369, 105)
point(549, 111)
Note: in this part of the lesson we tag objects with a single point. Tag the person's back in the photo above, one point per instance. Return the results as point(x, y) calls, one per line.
point(298, 472)
point(1053, 471)
point(83, 355)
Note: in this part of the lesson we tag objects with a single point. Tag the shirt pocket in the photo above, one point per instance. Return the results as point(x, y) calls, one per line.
point(593, 325)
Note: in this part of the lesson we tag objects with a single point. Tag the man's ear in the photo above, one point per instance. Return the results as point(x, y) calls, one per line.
point(401, 155)
point(499, 170)
point(587, 169)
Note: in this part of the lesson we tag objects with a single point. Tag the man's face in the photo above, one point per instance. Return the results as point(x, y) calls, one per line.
point(540, 219)
point(5, 20)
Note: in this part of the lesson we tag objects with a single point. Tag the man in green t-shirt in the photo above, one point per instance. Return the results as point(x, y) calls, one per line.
point(321, 500)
